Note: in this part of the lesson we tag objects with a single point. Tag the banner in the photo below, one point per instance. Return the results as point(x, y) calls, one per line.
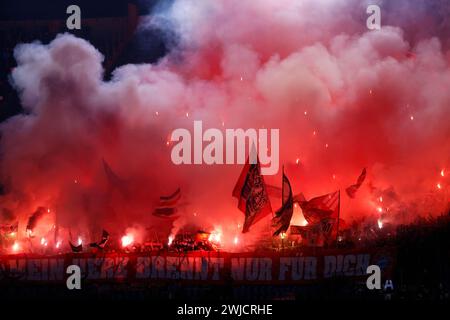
point(201, 267)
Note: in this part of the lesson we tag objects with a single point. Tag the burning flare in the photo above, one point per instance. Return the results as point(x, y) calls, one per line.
point(127, 240)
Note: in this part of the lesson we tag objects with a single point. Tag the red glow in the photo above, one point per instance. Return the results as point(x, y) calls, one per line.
point(215, 237)
point(127, 240)
point(15, 247)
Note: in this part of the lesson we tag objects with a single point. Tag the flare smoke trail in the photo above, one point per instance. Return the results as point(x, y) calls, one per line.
point(343, 98)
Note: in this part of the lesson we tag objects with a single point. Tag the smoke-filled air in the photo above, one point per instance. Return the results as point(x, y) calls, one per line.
point(89, 154)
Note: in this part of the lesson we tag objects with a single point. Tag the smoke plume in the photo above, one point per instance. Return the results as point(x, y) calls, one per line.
point(343, 97)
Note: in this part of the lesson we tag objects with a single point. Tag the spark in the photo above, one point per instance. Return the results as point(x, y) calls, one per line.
point(157, 113)
point(283, 235)
point(370, 91)
point(75, 181)
point(442, 173)
point(439, 186)
point(326, 145)
point(236, 240)
point(334, 177)
point(242, 79)
point(380, 199)
point(411, 117)
point(167, 143)
point(127, 240)
point(187, 114)
point(305, 113)
point(170, 240)
point(297, 161)
point(58, 245)
point(380, 209)
point(314, 132)
point(80, 241)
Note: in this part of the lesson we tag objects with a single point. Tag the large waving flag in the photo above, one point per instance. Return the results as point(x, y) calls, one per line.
point(320, 208)
point(351, 191)
point(251, 192)
point(283, 216)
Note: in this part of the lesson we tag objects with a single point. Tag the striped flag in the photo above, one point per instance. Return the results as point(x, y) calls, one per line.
point(166, 206)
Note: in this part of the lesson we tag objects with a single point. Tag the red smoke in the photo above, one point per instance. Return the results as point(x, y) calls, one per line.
point(343, 98)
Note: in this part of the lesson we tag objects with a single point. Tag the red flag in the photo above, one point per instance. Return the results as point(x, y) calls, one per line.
point(312, 235)
point(351, 191)
point(300, 230)
point(283, 216)
point(319, 208)
point(251, 191)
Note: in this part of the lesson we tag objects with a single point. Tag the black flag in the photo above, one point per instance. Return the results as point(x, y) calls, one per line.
point(283, 216)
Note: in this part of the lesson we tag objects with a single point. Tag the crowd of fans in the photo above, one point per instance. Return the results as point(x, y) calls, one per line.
point(421, 272)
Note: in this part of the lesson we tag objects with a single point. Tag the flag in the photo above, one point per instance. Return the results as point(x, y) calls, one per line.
point(351, 191)
point(283, 216)
point(103, 241)
point(164, 211)
point(166, 206)
point(319, 208)
point(300, 230)
point(312, 235)
point(251, 192)
point(170, 200)
point(277, 192)
point(299, 198)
